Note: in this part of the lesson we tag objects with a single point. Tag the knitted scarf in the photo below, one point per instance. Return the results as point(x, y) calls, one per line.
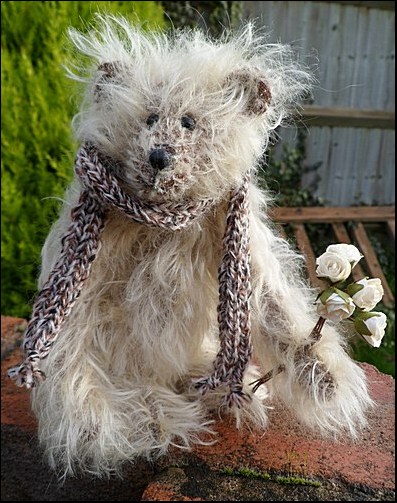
point(101, 192)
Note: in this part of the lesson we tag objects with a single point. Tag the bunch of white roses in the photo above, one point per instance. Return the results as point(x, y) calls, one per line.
point(350, 300)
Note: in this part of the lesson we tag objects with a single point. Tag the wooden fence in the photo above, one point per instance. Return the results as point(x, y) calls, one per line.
point(350, 120)
point(357, 234)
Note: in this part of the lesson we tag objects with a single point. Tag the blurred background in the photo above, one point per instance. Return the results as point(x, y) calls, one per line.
point(340, 152)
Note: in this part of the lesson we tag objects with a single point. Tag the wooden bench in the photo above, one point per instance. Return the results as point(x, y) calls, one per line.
point(356, 233)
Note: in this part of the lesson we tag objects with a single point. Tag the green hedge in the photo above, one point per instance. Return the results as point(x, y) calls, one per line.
point(36, 141)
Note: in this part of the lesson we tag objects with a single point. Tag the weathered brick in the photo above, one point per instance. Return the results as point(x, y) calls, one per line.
point(285, 463)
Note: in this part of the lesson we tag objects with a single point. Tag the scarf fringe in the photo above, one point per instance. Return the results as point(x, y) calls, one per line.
point(233, 308)
point(60, 292)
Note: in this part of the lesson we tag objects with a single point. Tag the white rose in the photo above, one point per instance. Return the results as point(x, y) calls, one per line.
point(336, 308)
point(333, 266)
point(351, 253)
point(370, 295)
point(372, 327)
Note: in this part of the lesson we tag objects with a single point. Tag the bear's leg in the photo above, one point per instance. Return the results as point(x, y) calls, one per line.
point(92, 421)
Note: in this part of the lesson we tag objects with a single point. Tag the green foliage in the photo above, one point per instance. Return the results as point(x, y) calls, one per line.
point(381, 243)
point(254, 474)
point(246, 472)
point(37, 146)
point(383, 358)
point(283, 176)
point(213, 16)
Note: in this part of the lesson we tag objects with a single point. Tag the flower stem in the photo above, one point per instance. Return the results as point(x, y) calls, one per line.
point(315, 336)
point(266, 377)
point(316, 332)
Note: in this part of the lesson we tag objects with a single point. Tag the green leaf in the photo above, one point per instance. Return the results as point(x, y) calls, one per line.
point(353, 288)
point(361, 327)
point(359, 322)
point(326, 294)
point(366, 315)
point(344, 295)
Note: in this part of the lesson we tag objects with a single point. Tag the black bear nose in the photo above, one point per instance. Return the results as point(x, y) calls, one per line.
point(159, 159)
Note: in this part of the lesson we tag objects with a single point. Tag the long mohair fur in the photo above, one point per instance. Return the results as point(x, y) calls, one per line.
point(120, 377)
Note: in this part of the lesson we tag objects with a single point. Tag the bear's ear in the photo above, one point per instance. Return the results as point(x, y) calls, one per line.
point(255, 90)
point(260, 98)
point(106, 73)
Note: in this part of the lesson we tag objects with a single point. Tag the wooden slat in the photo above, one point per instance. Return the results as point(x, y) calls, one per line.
point(347, 117)
point(333, 214)
point(304, 245)
point(374, 267)
point(391, 225)
point(342, 236)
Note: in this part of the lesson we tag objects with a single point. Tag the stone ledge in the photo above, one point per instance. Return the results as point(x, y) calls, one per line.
point(286, 463)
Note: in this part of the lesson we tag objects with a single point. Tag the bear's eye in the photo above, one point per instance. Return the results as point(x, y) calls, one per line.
point(152, 119)
point(188, 122)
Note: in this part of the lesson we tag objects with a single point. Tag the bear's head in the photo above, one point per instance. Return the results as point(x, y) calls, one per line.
point(183, 117)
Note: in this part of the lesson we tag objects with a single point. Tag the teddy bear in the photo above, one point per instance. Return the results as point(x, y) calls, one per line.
point(166, 293)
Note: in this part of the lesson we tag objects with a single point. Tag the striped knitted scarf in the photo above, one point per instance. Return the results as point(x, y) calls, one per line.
point(101, 192)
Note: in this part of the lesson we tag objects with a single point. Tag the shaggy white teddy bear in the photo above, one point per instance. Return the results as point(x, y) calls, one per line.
point(166, 292)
